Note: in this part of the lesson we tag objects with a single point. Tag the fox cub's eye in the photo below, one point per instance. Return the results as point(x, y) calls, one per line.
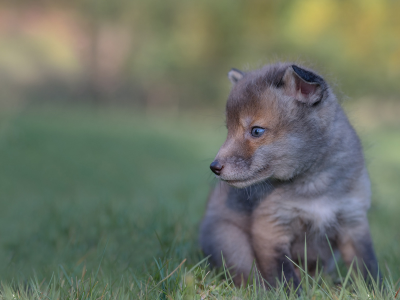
point(257, 131)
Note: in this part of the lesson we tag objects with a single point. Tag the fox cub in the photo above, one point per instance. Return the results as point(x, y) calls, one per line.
point(291, 169)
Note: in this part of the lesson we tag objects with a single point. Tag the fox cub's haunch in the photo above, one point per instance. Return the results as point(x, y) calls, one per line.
point(291, 167)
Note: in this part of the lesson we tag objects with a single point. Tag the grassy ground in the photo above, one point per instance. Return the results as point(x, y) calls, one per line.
point(107, 204)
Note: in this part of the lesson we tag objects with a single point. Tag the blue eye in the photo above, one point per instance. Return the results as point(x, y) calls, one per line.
point(257, 131)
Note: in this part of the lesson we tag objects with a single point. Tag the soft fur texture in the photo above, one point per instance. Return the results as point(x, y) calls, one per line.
point(304, 177)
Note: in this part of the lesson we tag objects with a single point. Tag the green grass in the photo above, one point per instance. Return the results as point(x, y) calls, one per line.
point(107, 204)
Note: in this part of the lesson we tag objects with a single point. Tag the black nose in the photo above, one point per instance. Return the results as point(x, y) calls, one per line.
point(216, 167)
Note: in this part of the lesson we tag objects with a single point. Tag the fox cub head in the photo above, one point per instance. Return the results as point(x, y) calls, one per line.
point(279, 120)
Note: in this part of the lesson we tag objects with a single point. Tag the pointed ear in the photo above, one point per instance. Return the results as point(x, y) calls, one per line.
point(235, 75)
point(305, 86)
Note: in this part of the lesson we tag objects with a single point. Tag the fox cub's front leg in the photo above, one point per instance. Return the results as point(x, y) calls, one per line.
point(271, 244)
point(225, 232)
point(355, 244)
point(224, 239)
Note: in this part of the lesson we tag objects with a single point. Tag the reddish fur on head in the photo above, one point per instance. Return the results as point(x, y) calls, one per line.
point(279, 98)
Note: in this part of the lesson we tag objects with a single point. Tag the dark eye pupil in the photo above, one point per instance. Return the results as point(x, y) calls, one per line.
point(257, 131)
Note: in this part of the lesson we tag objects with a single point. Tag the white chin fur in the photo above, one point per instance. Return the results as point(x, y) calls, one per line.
point(238, 184)
point(242, 183)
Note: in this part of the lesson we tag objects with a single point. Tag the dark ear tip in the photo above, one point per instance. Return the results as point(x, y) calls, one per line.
point(236, 70)
point(307, 76)
point(299, 71)
point(295, 68)
point(235, 75)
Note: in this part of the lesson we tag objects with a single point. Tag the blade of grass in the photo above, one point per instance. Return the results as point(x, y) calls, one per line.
point(134, 277)
point(66, 275)
point(305, 263)
point(226, 272)
point(317, 278)
point(170, 274)
point(251, 271)
point(199, 263)
point(159, 267)
point(334, 259)
point(101, 260)
point(345, 281)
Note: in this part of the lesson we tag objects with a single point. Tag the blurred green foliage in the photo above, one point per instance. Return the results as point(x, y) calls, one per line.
point(175, 54)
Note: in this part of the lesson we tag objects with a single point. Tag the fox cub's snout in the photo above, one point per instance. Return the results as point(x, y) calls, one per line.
point(291, 166)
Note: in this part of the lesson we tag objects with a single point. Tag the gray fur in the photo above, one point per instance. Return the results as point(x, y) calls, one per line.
point(305, 177)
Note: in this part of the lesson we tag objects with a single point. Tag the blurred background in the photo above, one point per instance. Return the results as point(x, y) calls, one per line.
point(112, 110)
point(175, 54)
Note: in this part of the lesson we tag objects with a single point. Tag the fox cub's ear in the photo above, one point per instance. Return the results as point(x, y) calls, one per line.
point(235, 75)
point(303, 85)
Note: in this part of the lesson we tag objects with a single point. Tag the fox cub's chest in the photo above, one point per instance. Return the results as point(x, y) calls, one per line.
point(316, 215)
